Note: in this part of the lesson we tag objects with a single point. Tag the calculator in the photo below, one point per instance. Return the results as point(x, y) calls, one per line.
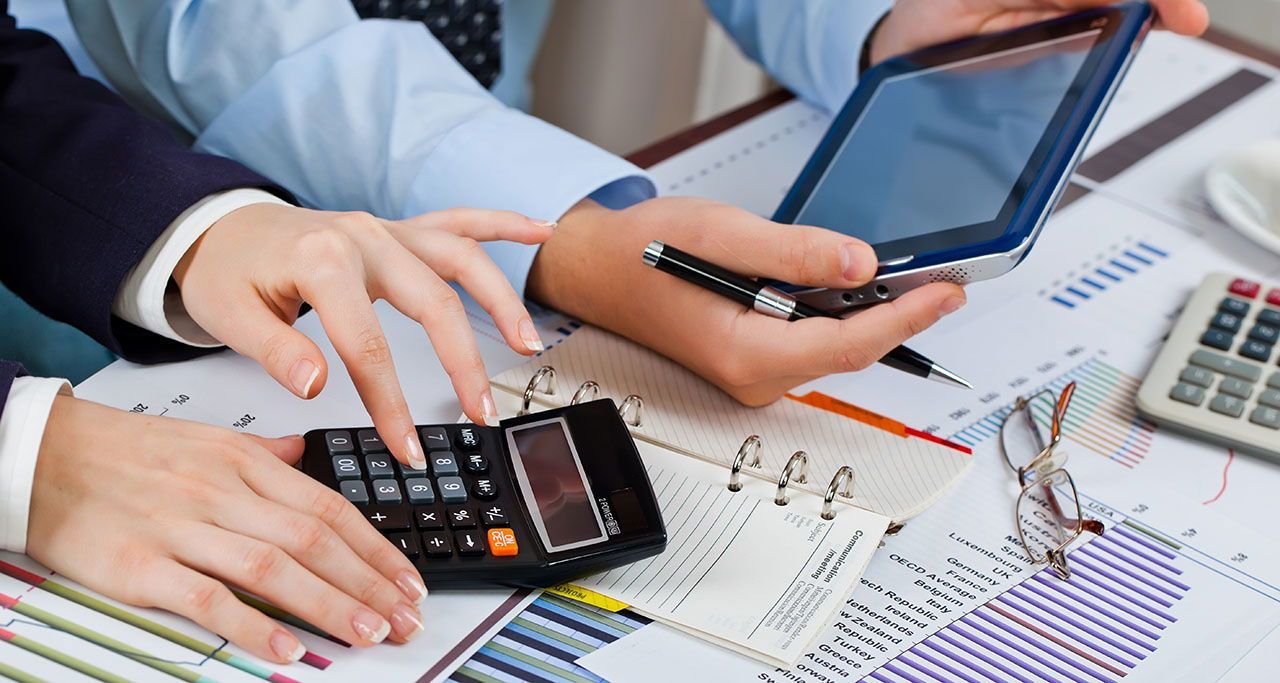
point(538, 500)
point(1218, 375)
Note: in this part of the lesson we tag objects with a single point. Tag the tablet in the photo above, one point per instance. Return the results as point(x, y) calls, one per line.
point(948, 160)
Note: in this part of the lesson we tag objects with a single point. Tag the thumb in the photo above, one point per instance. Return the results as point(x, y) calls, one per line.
point(285, 353)
point(287, 448)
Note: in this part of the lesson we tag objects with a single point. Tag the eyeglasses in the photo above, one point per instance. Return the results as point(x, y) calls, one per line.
point(1047, 513)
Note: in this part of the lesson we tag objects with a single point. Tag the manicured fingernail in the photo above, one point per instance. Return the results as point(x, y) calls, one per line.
point(302, 376)
point(406, 621)
point(488, 410)
point(952, 304)
point(529, 335)
point(286, 646)
point(412, 587)
point(857, 263)
point(546, 224)
point(417, 459)
point(370, 626)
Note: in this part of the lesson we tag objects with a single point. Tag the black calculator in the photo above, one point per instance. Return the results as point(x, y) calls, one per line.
point(539, 500)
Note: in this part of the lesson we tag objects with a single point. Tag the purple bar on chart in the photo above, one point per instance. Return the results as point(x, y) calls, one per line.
point(989, 625)
point(953, 670)
point(1113, 540)
point(898, 670)
point(1061, 599)
point(1111, 552)
point(973, 649)
point(1060, 615)
point(1143, 541)
point(1147, 591)
point(932, 645)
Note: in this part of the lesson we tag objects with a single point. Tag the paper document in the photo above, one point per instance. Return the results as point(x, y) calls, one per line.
point(739, 570)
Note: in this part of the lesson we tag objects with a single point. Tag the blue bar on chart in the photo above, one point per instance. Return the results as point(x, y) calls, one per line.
point(1128, 262)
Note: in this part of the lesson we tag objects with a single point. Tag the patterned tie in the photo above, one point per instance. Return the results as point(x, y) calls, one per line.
point(470, 29)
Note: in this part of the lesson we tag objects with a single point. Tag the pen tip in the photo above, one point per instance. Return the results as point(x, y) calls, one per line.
point(945, 376)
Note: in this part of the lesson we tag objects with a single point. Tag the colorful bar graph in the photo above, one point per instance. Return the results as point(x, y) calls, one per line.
point(62, 658)
point(177, 638)
point(1102, 417)
point(1095, 628)
point(542, 643)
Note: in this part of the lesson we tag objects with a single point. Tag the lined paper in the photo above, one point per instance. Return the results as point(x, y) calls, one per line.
point(895, 475)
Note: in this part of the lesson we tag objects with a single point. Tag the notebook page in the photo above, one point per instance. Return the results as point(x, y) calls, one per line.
point(749, 575)
point(895, 475)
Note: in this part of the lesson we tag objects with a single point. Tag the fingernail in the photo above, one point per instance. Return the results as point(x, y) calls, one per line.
point(488, 410)
point(529, 335)
point(546, 224)
point(952, 304)
point(302, 376)
point(370, 626)
point(407, 622)
point(417, 459)
point(286, 646)
point(857, 263)
point(412, 587)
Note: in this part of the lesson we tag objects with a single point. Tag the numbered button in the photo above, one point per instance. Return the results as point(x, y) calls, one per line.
point(370, 442)
point(386, 491)
point(379, 466)
point(428, 519)
point(419, 490)
point(354, 491)
point(435, 438)
point(386, 517)
point(462, 518)
point(406, 471)
point(494, 515)
point(469, 543)
point(346, 467)
point(406, 542)
point(443, 463)
point(476, 464)
point(437, 545)
point(469, 439)
point(452, 490)
point(484, 489)
point(339, 443)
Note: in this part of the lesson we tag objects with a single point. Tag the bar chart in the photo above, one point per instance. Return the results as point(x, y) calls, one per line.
point(1102, 417)
point(1121, 263)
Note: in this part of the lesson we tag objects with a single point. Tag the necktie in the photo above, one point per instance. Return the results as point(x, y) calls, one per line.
point(470, 29)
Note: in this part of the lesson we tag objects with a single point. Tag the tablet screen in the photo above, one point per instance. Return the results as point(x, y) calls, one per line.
point(944, 147)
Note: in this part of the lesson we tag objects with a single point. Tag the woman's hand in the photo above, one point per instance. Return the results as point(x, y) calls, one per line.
point(159, 512)
point(913, 24)
point(247, 277)
point(592, 269)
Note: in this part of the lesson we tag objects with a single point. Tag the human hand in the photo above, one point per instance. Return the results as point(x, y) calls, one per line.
point(591, 269)
point(246, 278)
point(913, 24)
point(159, 512)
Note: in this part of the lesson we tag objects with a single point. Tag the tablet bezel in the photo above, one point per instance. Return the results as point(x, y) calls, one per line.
point(1051, 159)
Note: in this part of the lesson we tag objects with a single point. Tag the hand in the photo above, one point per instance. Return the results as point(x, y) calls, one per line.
point(246, 278)
point(158, 512)
point(913, 24)
point(591, 269)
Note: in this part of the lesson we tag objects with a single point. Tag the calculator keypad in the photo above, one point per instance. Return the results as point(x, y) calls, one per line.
point(457, 508)
point(1237, 344)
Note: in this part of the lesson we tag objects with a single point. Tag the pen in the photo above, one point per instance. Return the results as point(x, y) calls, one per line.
point(778, 304)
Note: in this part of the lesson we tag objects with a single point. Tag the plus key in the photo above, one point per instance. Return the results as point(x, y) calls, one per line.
point(386, 517)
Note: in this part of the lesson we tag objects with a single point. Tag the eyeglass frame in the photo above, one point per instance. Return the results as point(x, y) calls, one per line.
point(1055, 557)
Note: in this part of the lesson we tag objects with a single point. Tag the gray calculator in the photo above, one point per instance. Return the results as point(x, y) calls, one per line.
point(1218, 375)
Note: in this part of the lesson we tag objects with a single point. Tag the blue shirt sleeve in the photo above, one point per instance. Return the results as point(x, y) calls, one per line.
point(370, 115)
point(810, 46)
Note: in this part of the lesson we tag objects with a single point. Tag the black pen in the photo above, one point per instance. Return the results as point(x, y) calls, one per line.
point(778, 304)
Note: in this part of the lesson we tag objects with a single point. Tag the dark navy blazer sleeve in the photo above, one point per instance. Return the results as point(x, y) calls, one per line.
point(87, 184)
point(9, 371)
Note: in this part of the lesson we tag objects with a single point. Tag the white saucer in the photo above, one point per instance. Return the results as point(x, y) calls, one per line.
point(1244, 188)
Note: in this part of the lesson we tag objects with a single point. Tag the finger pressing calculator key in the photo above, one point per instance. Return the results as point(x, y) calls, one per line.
point(539, 500)
point(1212, 377)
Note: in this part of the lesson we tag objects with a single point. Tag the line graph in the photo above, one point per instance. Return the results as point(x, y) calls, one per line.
point(1102, 417)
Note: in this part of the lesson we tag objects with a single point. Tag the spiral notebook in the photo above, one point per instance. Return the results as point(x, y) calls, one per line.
point(772, 513)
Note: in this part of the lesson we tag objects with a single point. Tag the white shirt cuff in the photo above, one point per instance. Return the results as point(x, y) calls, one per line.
point(21, 430)
point(146, 298)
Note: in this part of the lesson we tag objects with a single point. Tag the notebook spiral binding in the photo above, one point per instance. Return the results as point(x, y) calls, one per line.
point(544, 381)
point(632, 411)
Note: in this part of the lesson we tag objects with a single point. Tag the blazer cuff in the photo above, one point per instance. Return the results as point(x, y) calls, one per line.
point(21, 430)
point(148, 296)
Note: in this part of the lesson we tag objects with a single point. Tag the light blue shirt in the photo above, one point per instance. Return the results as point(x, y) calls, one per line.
point(377, 116)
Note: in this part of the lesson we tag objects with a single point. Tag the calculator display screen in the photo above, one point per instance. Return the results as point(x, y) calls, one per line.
point(554, 485)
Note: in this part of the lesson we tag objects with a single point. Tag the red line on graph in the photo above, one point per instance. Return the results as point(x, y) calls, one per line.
point(1231, 456)
point(1045, 634)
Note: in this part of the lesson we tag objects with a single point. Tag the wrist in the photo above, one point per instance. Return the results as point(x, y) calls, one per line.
point(563, 264)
